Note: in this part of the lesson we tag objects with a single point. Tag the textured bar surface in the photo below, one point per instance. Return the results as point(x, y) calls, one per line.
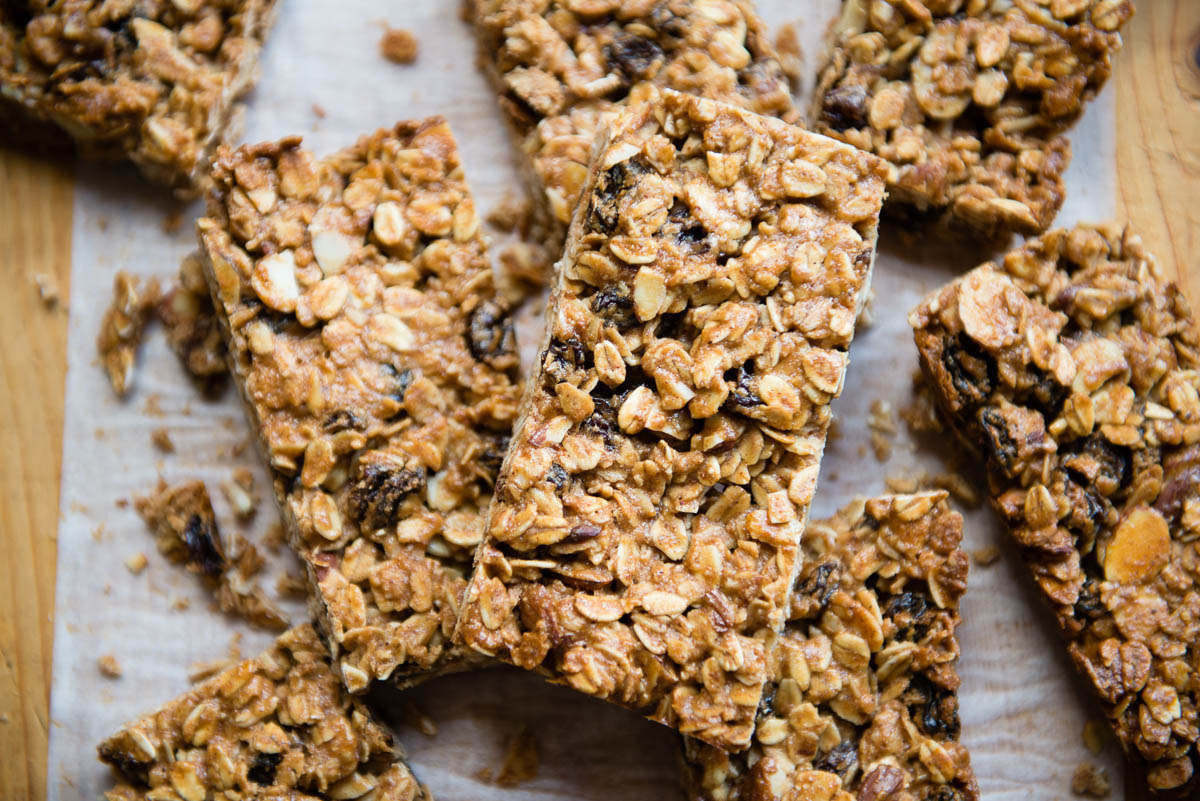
point(356, 299)
point(278, 726)
point(1073, 366)
point(647, 521)
point(863, 691)
point(563, 68)
point(154, 81)
point(968, 100)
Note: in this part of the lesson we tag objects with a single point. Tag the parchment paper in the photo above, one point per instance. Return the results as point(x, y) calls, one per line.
point(1022, 709)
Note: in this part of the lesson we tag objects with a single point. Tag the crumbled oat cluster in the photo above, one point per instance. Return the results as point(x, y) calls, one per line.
point(185, 530)
point(186, 312)
point(563, 69)
point(357, 301)
point(647, 520)
point(862, 701)
point(1075, 367)
point(968, 100)
point(122, 327)
point(156, 81)
point(278, 726)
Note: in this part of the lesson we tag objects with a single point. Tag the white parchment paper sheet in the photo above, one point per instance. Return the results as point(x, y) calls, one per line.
point(1022, 710)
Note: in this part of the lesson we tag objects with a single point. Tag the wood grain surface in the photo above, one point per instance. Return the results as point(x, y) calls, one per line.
point(1157, 81)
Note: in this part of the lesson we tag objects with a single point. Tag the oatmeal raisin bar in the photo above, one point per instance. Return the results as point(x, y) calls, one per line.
point(564, 68)
point(645, 532)
point(968, 100)
point(1074, 366)
point(155, 81)
point(862, 701)
point(278, 726)
point(356, 299)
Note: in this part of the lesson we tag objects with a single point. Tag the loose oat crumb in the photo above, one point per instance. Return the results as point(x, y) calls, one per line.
point(3, 717)
point(162, 440)
point(319, 111)
point(98, 533)
point(1091, 780)
point(47, 289)
point(791, 54)
point(239, 491)
point(511, 213)
point(153, 406)
point(122, 327)
point(136, 563)
point(275, 537)
point(180, 604)
point(109, 666)
point(525, 262)
point(173, 221)
point(920, 414)
point(417, 719)
point(899, 485)
point(881, 446)
point(520, 760)
point(290, 585)
point(234, 649)
point(985, 556)
point(399, 46)
point(1096, 734)
point(958, 487)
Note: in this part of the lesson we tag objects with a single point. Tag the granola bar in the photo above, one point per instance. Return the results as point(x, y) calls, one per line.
point(646, 525)
point(155, 81)
point(564, 68)
point(277, 726)
point(862, 701)
point(968, 101)
point(1074, 366)
point(357, 303)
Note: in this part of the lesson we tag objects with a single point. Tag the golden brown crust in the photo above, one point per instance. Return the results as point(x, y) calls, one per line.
point(278, 726)
point(863, 689)
point(645, 531)
point(1075, 367)
point(564, 68)
point(968, 101)
point(155, 81)
point(378, 372)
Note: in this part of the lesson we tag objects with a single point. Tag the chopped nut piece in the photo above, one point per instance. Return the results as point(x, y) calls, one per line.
point(1074, 366)
point(158, 83)
point(162, 440)
point(985, 556)
point(122, 327)
point(384, 398)
point(399, 46)
point(675, 493)
point(520, 760)
point(563, 69)
point(186, 311)
point(967, 101)
point(277, 726)
point(185, 529)
point(864, 672)
point(109, 667)
point(1091, 781)
point(136, 563)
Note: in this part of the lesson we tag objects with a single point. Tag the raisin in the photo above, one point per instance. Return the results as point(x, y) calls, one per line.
point(490, 333)
point(1089, 606)
point(670, 325)
point(342, 420)
point(845, 107)
point(203, 544)
point(378, 491)
point(841, 759)
point(556, 475)
point(581, 533)
point(637, 57)
point(1000, 443)
point(493, 454)
point(934, 708)
point(396, 383)
point(561, 359)
point(602, 423)
point(1182, 481)
point(968, 372)
point(945, 792)
point(262, 769)
point(614, 305)
point(821, 585)
point(766, 706)
point(742, 396)
point(127, 764)
point(603, 211)
point(911, 613)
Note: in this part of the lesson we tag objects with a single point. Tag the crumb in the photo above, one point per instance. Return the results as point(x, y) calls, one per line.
point(98, 533)
point(46, 288)
point(866, 315)
point(274, 538)
point(173, 221)
point(199, 671)
point(985, 556)
point(920, 414)
point(957, 486)
point(484, 775)
point(791, 54)
point(318, 111)
point(398, 46)
point(162, 440)
point(290, 585)
point(525, 262)
point(235, 647)
point(1090, 780)
point(239, 491)
point(192, 330)
point(835, 429)
point(122, 503)
point(110, 668)
point(107, 589)
point(3, 717)
point(520, 760)
point(136, 563)
point(511, 213)
point(903, 486)
point(881, 446)
point(181, 604)
point(238, 449)
point(122, 327)
point(413, 716)
point(153, 406)
point(1096, 734)
point(102, 223)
